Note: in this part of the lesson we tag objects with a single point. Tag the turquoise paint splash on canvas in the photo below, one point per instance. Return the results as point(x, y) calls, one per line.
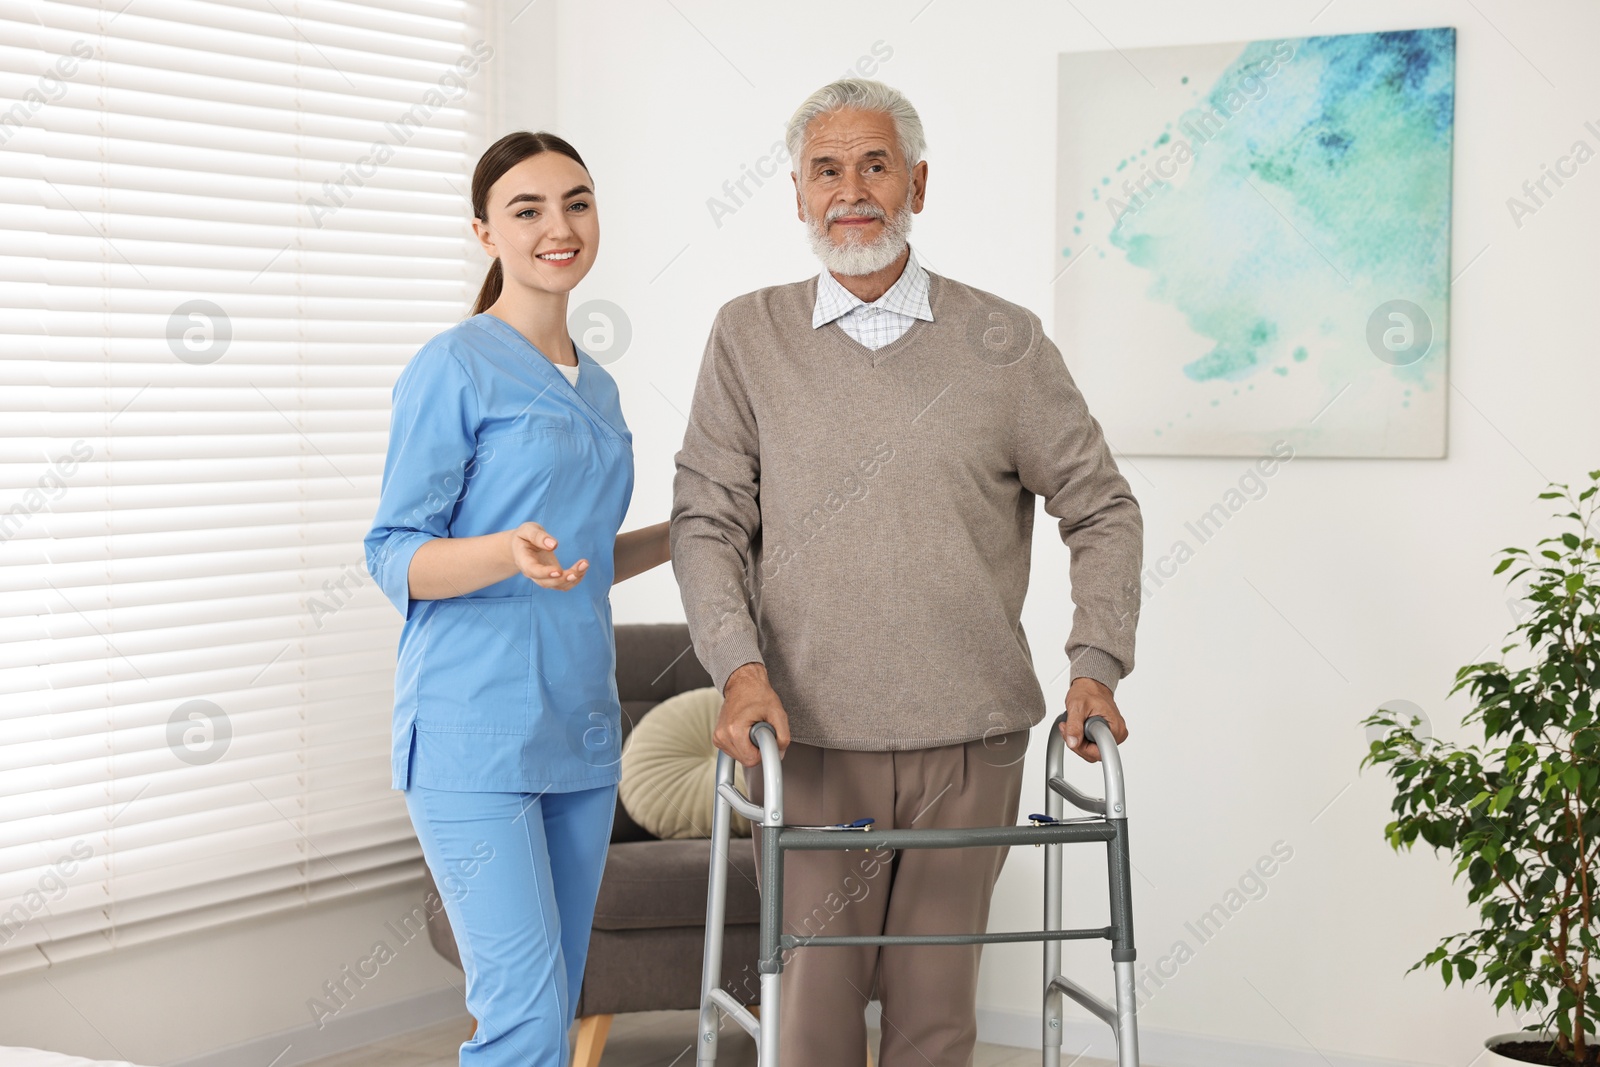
point(1314, 194)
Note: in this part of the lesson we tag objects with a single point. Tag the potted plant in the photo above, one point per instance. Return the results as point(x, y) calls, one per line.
point(1522, 818)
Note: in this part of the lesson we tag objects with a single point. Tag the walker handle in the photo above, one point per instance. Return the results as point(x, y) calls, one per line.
point(1097, 730)
point(755, 736)
point(765, 738)
point(770, 812)
point(1101, 719)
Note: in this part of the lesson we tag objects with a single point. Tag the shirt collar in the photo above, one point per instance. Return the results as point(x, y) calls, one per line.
point(907, 296)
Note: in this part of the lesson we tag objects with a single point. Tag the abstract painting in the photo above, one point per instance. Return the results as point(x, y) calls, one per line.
point(1253, 243)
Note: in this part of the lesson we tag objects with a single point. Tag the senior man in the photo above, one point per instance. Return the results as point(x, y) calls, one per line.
point(852, 519)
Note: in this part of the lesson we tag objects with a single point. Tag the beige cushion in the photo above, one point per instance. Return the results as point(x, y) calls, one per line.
point(669, 768)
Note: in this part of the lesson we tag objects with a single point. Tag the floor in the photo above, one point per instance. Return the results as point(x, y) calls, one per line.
point(646, 1039)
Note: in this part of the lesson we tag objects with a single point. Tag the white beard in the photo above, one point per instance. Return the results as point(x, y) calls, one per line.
point(855, 257)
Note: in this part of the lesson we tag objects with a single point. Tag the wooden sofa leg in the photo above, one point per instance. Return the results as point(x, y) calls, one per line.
point(592, 1031)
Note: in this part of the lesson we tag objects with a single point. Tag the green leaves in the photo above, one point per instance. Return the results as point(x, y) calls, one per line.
point(1521, 815)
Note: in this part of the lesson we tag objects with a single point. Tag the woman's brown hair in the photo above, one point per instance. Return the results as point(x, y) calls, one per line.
point(500, 157)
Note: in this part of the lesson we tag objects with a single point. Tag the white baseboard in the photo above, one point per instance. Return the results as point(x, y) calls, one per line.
point(291, 1048)
point(1169, 1048)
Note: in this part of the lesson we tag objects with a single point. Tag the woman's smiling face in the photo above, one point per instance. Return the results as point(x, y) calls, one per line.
point(542, 223)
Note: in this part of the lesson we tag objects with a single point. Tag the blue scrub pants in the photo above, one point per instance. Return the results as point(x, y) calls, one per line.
point(521, 917)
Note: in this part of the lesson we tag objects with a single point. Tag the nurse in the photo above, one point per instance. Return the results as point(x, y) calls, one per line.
point(508, 473)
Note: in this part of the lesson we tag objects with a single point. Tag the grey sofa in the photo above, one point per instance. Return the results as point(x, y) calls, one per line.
point(648, 939)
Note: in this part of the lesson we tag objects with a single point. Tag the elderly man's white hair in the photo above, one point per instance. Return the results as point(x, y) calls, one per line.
point(861, 94)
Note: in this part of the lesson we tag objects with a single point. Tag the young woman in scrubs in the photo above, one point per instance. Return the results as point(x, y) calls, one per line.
point(508, 473)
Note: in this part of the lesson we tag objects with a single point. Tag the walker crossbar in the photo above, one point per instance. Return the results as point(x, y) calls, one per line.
point(1111, 827)
point(942, 837)
point(1099, 932)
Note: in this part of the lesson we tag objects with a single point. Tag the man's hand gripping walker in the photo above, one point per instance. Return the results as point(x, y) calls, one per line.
point(1107, 821)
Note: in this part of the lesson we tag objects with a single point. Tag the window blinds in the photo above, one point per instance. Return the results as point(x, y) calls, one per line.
point(224, 228)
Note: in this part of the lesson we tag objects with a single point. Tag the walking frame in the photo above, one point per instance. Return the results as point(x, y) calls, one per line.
point(1107, 821)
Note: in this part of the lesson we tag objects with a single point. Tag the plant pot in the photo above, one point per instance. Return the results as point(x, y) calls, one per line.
point(1498, 1060)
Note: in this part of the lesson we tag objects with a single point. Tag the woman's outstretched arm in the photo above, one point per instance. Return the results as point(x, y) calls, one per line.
point(456, 566)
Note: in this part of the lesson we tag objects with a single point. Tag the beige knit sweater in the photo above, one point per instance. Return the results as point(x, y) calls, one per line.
point(861, 521)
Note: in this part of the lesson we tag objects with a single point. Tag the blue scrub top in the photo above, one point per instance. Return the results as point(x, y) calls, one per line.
point(510, 688)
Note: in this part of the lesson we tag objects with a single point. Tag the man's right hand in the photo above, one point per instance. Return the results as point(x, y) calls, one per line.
point(748, 698)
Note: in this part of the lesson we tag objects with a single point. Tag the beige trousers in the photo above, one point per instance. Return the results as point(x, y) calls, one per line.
point(927, 992)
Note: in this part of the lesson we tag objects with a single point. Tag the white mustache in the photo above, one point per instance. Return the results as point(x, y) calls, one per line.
point(839, 211)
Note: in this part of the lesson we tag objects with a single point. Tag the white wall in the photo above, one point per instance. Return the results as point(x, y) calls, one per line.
point(1350, 583)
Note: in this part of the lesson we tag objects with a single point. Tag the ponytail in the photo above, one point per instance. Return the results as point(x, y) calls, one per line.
point(491, 288)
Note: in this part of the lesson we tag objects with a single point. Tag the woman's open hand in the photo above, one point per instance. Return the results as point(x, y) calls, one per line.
point(533, 551)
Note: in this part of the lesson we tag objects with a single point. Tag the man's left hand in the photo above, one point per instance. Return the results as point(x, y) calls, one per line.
point(1086, 697)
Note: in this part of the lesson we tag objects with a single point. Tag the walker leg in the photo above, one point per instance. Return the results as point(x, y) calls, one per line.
point(1127, 1010)
point(1122, 950)
point(1054, 1020)
point(771, 956)
point(716, 902)
point(1053, 999)
point(767, 1054)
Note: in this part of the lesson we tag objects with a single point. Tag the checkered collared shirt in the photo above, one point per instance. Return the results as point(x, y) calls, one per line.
point(882, 321)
